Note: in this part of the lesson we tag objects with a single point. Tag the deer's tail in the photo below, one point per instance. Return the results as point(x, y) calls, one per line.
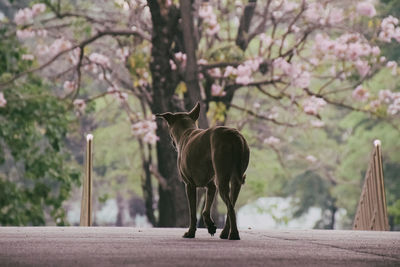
point(243, 156)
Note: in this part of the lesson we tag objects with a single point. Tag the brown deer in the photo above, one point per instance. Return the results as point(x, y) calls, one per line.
point(211, 158)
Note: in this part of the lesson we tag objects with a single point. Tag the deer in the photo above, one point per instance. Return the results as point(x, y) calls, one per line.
point(215, 158)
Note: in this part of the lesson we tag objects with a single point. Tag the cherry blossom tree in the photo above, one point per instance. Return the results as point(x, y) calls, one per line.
point(280, 61)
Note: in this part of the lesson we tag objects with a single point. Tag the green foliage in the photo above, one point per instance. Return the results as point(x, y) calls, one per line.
point(117, 161)
point(309, 190)
point(35, 178)
point(224, 52)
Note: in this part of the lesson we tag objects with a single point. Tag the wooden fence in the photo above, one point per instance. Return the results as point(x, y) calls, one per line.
point(86, 204)
point(371, 212)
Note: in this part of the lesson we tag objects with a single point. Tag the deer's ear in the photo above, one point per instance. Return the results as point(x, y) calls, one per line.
point(195, 112)
point(168, 116)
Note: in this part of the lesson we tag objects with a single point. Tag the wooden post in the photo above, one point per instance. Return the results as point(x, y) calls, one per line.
point(86, 204)
point(371, 211)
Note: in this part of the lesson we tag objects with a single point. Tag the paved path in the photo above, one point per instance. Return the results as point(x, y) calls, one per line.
point(112, 246)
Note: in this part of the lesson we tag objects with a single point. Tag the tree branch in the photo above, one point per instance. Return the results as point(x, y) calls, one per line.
point(258, 116)
point(81, 46)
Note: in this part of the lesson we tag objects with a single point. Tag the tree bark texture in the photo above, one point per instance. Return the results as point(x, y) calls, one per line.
point(173, 209)
point(243, 39)
point(191, 72)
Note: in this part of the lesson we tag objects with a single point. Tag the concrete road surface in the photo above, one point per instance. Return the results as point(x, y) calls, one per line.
point(112, 246)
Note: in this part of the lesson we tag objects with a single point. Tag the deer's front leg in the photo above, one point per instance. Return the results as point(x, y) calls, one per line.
point(191, 195)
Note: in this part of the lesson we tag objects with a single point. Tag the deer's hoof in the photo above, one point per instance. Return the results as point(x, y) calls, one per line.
point(234, 236)
point(189, 234)
point(223, 235)
point(211, 229)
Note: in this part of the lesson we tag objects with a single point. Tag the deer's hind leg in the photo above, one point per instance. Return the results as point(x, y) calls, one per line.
point(235, 189)
point(211, 190)
point(230, 229)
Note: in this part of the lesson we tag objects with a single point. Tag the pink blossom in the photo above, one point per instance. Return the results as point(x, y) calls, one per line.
point(80, 105)
point(215, 72)
point(210, 19)
point(3, 101)
point(28, 57)
point(112, 89)
point(317, 123)
point(217, 90)
point(205, 11)
point(363, 67)
point(283, 65)
point(118, 94)
point(295, 29)
point(335, 16)
point(23, 16)
point(172, 64)
point(313, 13)
point(389, 29)
point(74, 56)
point(213, 29)
point(366, 9)
point(69, 86)
point(202, 61)
point(311, 158)
point(229, 71)
point(385, 96)
point(38, 8)
point(277, 14)
point(41, 33)
point(150, 138)
point(314, 61)
point(92, 68)
point(272, 140)
point(253, 63)
point(265, 39)
point(302, 80)
point(180, 56)
point(59, 45)
point(393, 66)
point(256, 105)
point(122, 97)
point(122, 53)
point(374, 105)
point(312, 105)
point(42, 49)
point(288, 6)
point(146, 130)
point(100, 59)
point(360, 94)
point(25, 34)
point(104, 76)
point(243, 72)
point(394, 108)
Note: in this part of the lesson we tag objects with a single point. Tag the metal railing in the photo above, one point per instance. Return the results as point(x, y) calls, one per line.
point(86, 204)
point(371, 212)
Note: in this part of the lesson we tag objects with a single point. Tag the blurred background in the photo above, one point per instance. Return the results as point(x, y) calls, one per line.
point(310, 84)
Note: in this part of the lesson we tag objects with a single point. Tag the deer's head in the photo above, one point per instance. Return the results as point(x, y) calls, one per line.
point(179, 122)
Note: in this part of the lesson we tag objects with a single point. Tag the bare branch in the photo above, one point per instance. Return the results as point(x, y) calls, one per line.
point(161, 180)
point(258, 116)
point(81, 45)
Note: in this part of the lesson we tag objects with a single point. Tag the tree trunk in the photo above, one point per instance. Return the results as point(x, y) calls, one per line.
point(173, 208)
point(147, 189)
point(243, 39)
point(121, 208)
point(191, 74)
